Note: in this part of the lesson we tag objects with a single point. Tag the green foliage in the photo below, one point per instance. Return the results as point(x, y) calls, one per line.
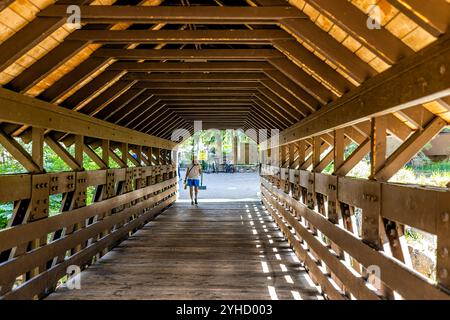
point(413, 235)
point(53, 163)
point(432, 167)
point(5, 214)
point(3, 221)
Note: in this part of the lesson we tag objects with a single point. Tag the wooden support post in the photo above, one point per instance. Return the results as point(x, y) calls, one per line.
point(155, 156)
point(378, 144)
point(37, 153)
point(105, 152)
point(283, 156)
point(291, 153)
point(18, 152)
point(94, 157)
point(339, 148)
point(353, 159)
point(409, 148)
point(138, 151)
point(117, 159)
point(301, 146)
point(235, 148)
point(147, 156)
point(124, 151)
point(317, 143)
point(79, 148)
point(63, 153)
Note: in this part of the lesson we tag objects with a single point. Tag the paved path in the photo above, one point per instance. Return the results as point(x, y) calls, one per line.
point(227, 186)
point(217, 250)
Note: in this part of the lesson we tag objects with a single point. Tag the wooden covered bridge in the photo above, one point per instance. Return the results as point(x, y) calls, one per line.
point(114, 82)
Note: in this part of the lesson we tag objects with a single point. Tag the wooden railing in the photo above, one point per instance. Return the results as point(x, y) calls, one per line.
point(35, 256)
point(315, 212)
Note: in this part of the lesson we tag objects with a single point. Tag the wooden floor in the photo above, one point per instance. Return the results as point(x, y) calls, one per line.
point(230, 250)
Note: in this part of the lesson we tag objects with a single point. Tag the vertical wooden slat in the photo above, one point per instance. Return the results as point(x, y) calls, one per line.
point(37, 153)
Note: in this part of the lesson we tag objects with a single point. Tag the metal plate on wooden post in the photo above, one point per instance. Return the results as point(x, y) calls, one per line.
point(110, 189)
point(367, 196)
point(326, 185)
point(128, 183)
point(39, 197)
point(80, 189)
point(62, 182)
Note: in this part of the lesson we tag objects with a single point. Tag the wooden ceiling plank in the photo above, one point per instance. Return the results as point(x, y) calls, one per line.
point(301, 56)
point(269, 112)
point(106, 97)
point(432, 15)
point(132, 115)
point(302, 79)
point(146, 117)
point(286, 96)
point(117, 116)
point(292, 88)
point(31, 35)
point(379, 41)
point(158, 121)
point(45, 65)
point(72, 79)
point(278, 112)
point(289, 107)
point(173, 125)
point(113, 107)
point(326, 45)
point(420, 78)
point(90, 89)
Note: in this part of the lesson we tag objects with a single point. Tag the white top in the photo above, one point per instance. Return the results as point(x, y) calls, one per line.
point(193, 171)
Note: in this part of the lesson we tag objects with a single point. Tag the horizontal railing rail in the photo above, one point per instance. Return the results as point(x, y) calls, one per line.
point(35, 256)
point(339, 259)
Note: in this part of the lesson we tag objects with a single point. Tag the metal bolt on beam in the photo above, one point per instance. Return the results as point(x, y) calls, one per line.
point(443, 274)
point(444, 252)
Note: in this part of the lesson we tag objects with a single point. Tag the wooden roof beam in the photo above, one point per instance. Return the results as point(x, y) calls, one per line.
point(177, 14)
point(326, 45)
point(192, 66)
point(199, 85)
point(197, 77)
point(30, 35)
point(21, 109)
point(418, 79)
point(268, 78)
point(182, 37)
point(286, 48)
point(379, 41)
point(188, 54)
point(432, 15)
point(312, 87)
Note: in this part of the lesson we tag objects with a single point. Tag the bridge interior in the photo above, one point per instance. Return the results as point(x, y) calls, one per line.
point(318, 84)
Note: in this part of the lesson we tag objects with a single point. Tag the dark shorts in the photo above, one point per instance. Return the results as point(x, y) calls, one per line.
point(193, 182)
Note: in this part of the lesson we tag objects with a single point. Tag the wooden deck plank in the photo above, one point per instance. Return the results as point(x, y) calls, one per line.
point(214, 251)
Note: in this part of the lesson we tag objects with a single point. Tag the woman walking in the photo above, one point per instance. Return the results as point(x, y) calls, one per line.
point(192, 180)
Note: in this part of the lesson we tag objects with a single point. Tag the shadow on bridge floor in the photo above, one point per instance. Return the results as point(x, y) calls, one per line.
point(216, 250)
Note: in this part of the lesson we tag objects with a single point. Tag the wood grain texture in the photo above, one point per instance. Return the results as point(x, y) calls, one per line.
point(213, 251)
